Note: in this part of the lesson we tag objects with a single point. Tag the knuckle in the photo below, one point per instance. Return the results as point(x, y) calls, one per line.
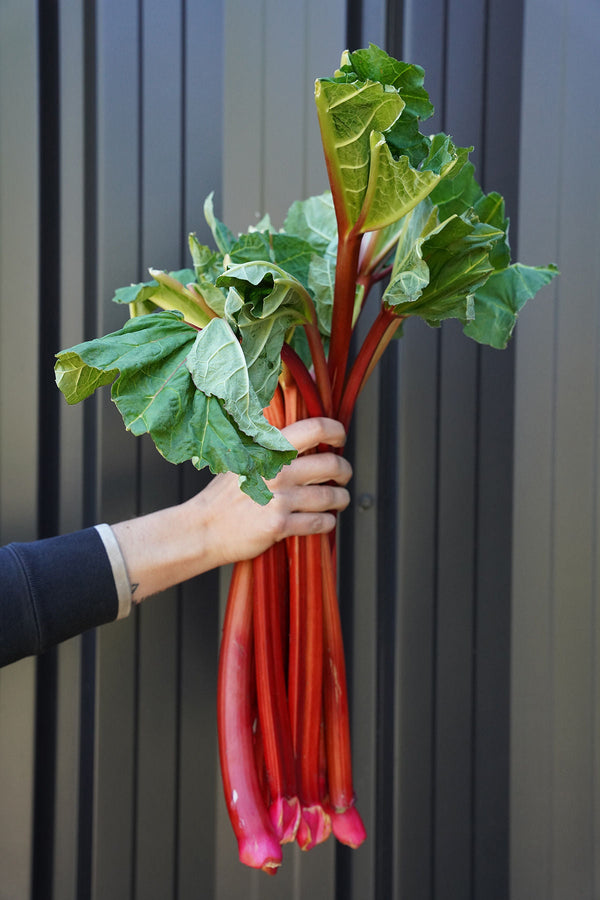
point(344, 470)
point(324, 522)
point(344, 498)
point(277, 524)
point(315, 430)
point(326, 495)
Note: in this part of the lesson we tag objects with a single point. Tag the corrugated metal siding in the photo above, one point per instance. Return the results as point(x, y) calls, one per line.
point(158, 104)
point(19, 450)
point(455, 420)
point(555, 715)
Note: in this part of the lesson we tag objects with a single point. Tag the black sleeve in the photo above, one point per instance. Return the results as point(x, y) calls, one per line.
point(51, 590)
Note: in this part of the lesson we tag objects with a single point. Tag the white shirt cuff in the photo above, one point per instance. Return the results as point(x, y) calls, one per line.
point(119, 569)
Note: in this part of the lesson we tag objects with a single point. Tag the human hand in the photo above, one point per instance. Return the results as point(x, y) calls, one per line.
point(221, 524)
point(231, 526)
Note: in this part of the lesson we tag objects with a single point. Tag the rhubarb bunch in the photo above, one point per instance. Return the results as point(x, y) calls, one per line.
point(217, 358)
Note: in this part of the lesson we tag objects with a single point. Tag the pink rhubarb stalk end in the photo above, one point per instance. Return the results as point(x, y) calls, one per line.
point(314, 827)
point(348, 827)
point(285, 814)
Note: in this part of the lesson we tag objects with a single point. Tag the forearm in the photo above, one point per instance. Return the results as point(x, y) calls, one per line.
point(52, 590)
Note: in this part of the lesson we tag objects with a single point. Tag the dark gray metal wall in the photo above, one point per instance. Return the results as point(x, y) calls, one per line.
point(117, 118)
point(556, 591)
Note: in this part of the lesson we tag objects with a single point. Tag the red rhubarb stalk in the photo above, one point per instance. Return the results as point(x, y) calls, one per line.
point(258, 845)
point(272, 700)
point(275, 412)
point(379, 336)
point(315, 824)
point(321, 368)
point(346, 822)
point(343, 310)
point(296, 551)
point(307, 387)
point(297, 593)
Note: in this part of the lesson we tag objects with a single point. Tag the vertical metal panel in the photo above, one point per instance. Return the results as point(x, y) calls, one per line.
point(70, 461)
point(461, 48)
point(198, 623)
point(243, 113)
point(325, 25)
point(203, 111)
point(286, 83)
point(161, 174)
point(454, 635)
point(19, 322)
point(491, 691)
point(19, 316)
point(198, 765)
point(418, 382)
point(575, 475)
point(531, 797)
point(64, 883)
point(117, 42)
point(555, 589)
point(422, 41)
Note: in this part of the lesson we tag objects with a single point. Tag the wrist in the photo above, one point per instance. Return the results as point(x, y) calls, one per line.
point(164, 548)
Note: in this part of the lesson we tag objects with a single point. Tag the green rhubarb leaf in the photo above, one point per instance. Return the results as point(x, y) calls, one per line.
point(405, 139)
point(144, 290)
point(166, 291)
point(224, 448)
point(212, 296)
point(263, 224)
point(294, 255)
point(288, 251)
point(135, 293)
point(348, 114)
point(250, 247)
point(208, 264)
point(374, 64)
point(394, 187)
point(490, 208)
point(372, 180)
point(224, 238)
point(155, 393)
point(459, 191)
point(314, 221)
point(457, 256)
point(264, 303)
point(76, 379)
point(410, 273)
point(219, 369)
point(499, 300)
point(85, 367)
point(442, 155)
point(321, 284)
